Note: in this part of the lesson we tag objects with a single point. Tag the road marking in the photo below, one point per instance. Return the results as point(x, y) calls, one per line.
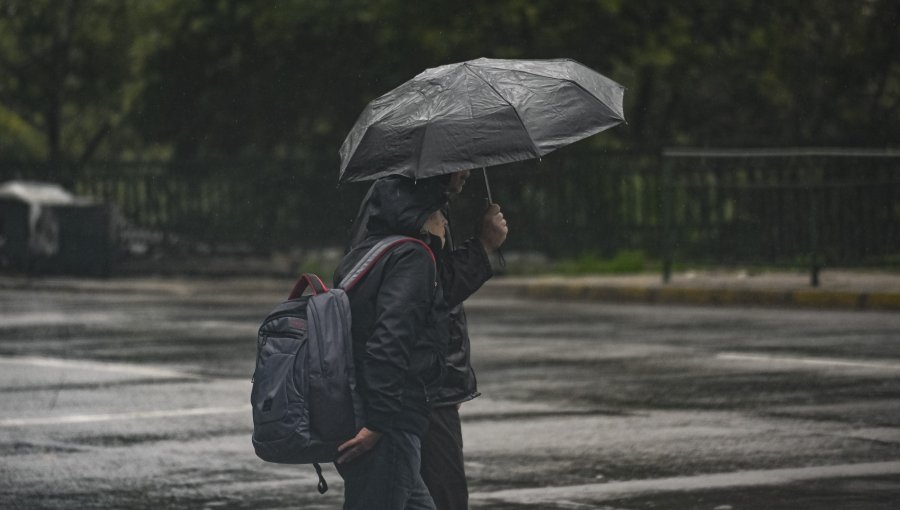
point(139, 415)
point(96, 366)
point(46, 318)
point(568, 495)
point(835, 362)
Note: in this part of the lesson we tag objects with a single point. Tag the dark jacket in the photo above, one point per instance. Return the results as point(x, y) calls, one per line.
point(400, 321)
point(463, 269)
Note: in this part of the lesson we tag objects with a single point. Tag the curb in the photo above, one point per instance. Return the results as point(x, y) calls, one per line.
point(805, 298)
point(566, 291)
point(151, 286)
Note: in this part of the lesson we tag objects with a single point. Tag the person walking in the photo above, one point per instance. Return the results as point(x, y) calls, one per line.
point(463, 268)
point(400, 333)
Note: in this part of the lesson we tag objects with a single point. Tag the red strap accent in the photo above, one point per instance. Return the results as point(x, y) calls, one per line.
point(307, 280)
point(324, 287)
point(382, 254)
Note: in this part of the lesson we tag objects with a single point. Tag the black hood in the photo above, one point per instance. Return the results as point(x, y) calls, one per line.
point(399, 206)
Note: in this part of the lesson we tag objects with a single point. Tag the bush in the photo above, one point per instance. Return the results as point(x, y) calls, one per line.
point(628, 261)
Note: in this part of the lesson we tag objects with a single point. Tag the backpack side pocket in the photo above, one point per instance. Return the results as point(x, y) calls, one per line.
point(275, 393)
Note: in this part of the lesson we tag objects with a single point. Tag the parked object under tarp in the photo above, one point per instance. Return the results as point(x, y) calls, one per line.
point(46, 229)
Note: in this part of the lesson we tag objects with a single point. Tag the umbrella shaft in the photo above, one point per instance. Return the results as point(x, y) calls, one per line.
point(487, 186)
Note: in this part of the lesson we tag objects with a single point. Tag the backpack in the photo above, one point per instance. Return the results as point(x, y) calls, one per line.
point(304, 395)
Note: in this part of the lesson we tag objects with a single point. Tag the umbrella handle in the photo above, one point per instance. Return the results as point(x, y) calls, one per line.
point(487, 186)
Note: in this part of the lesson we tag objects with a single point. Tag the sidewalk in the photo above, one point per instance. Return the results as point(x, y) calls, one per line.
point(857, 290)
point(853, 290)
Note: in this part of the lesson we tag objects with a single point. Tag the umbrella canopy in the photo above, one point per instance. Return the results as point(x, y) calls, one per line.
point(479, 113)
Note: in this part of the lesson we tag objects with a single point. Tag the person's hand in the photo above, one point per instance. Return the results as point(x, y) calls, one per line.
point(493, 228)
point(364, 441)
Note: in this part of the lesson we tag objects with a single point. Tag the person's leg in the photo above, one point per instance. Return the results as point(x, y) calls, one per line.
point(418, 497)
point(387, 477)
point(366, 478)
point(442, 460)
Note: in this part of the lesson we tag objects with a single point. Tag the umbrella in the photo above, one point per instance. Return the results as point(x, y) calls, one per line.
point(479, 113)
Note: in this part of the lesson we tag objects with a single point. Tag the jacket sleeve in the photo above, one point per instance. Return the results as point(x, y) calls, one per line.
point(464, 270)
point(401, 309)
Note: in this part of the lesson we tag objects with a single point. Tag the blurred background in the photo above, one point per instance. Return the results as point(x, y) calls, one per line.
point(169, 134)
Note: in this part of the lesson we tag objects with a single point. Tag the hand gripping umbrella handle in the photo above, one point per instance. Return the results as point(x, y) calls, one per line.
point(490, 200)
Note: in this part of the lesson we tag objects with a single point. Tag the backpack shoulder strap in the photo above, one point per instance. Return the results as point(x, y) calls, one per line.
point(372, 257)
point(308, 280)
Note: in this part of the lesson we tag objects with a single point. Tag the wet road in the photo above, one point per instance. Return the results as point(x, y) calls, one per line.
point(113, 398)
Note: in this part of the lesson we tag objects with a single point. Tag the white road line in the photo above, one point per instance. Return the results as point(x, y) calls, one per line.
point(139, 415)
point(613, 490)
point(46, 318)
point(96, 366)
point(835, 362)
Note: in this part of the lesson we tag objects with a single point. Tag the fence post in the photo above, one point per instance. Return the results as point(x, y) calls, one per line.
point(814, 262)
point(667, 217)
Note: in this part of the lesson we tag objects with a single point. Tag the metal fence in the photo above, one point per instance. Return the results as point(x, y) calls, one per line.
point(813, 207)
point(598, 203)
point(262, 204)
point(809, 207)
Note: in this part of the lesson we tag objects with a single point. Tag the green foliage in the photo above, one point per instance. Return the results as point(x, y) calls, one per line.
point(66, 75)
point(18, 138)
point(628, 261)
point(198, 78)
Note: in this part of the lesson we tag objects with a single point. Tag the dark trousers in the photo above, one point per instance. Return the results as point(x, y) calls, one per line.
point(387, 476)
point(442, 460)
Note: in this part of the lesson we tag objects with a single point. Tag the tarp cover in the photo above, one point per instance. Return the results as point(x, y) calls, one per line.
point(43, 226)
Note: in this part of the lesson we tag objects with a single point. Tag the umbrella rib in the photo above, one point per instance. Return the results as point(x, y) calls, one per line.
point(569, 80)
point(595, 98)
point(421, 145)
point(530, 139)
point(533, 73)
point(496, 68)
point(580, 87)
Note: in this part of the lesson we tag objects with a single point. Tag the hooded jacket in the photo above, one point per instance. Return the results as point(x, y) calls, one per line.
point(463, 270)
point(400, 321)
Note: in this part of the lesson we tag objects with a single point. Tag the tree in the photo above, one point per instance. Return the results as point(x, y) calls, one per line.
point(67, 74)
point(201, 78)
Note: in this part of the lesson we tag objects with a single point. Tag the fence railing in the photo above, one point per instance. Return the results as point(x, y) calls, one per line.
point(259, 203)
point(793, 207)
point(802, 207)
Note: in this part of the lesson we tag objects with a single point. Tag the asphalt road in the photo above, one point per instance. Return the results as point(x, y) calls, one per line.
point(121, 397)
